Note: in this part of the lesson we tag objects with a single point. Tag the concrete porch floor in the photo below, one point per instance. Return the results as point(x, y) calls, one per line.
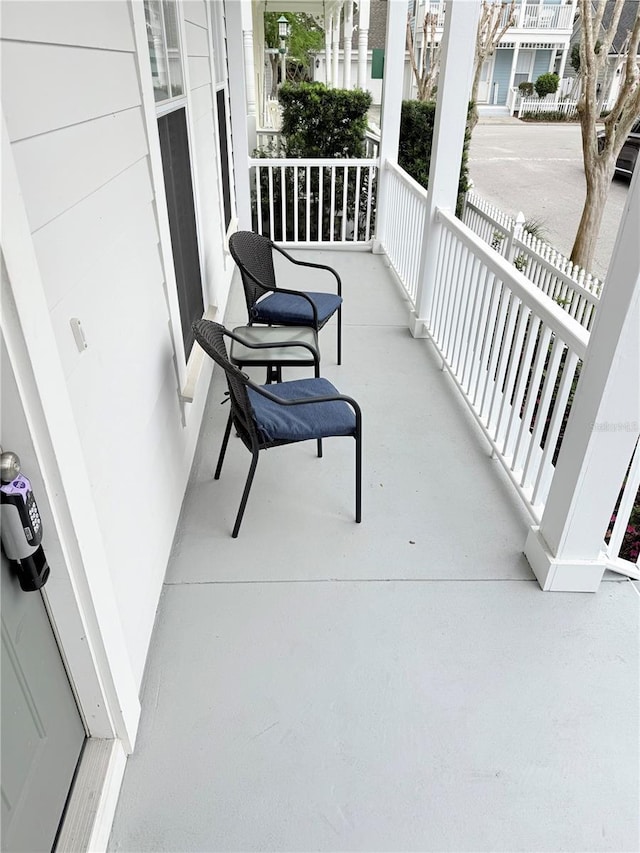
point(402, 684)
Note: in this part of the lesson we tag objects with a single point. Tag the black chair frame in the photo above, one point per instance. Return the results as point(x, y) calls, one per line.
point(210, 336)
point(255, 287)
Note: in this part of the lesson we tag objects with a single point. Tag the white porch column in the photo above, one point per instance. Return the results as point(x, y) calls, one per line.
point(391, 109)
point(565, 550)
point(348, 36)
point(238, 116)
point(563, 62)
point(249, 71)
point(363, 42)
point(454, 85)
point(336, 46)
point(514, 65)
point(328, 34)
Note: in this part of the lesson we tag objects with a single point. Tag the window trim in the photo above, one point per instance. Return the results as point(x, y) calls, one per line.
point(150, 118)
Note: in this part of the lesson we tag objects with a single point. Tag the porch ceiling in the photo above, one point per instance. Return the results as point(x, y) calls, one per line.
point(401, 684)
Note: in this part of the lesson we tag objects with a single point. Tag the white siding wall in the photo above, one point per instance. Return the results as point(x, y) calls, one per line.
point(72, 104)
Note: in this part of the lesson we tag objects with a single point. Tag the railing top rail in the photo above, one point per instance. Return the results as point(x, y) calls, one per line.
point(571, 332)
point(406, 179)
point(301, 162)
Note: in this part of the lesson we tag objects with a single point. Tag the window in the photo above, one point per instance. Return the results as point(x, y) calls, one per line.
point(164, 49)
point(524, 65)
point(176, 166)
point(163, 39)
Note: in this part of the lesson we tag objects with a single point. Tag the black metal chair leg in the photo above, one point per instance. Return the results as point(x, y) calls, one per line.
point(340, 335)
point(358, 476)
point(223, 449)
point(245, 494)
point(320, 448)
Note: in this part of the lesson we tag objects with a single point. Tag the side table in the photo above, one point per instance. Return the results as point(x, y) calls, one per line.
point(275, 347)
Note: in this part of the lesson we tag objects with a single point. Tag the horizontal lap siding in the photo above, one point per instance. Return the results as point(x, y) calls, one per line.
point(73, 108)
point(541, 63)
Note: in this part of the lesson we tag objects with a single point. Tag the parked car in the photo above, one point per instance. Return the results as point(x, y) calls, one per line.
point(629, 154)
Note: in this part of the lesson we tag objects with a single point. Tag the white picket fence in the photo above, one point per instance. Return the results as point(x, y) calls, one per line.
point(539, 106)
point(569, 285)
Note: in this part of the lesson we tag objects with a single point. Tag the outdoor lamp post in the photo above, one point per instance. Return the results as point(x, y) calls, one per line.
point(283, 31)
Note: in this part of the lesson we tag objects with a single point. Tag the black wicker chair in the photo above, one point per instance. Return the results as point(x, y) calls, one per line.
point(272, 305)
point(281, 413)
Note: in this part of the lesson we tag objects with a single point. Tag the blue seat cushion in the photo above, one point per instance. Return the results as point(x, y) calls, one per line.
point(308, 420)
point(290, 310)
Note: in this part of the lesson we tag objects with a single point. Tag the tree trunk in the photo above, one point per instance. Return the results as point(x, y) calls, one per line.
point(598, 182)
point(474, 115)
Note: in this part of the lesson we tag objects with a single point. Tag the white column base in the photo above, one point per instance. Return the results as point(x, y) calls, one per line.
point(417, 327)
point(555, 575)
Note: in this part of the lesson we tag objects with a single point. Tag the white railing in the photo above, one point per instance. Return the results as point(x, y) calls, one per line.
point(298, 202)
point(269, 141)
point(513, 99)
point(623, 536)
point(403, 241)
point(576, 291)
point(538, 106)
point(372, 142)
point(487, 221)
point(436, 9)
point(568, 284)
point(513, 353)
point(547, 16)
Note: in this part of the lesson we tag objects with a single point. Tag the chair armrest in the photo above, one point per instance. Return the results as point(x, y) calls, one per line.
point(312, 265)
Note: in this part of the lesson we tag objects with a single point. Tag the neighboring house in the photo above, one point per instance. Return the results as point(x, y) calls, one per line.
point(537, 43)
point(609, 84)
point(121, 182)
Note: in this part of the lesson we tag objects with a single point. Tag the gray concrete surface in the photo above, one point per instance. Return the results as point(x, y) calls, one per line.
point(397, 685)
point(538, 168)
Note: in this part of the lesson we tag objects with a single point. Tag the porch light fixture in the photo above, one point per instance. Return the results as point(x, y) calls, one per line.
point(283, 27)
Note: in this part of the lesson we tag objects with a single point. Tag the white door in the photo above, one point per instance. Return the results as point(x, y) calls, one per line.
point(485, 80)
point(42, 733)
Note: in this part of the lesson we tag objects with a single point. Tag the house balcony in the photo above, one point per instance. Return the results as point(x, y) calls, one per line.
point(528, 16)
point(401, 684)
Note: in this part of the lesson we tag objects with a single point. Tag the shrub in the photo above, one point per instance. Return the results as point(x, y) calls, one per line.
point(414, 151)
point(548, 115)
point(317, 123)
point(525, 88)
point(322, 122)
point(546, 84)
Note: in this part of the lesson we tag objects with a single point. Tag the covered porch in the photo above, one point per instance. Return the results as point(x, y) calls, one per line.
point(401, 684)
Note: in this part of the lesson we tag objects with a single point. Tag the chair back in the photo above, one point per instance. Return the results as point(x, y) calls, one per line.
point(211, 336)
point(254, 256)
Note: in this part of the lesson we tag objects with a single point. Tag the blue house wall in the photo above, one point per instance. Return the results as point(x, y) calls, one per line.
point(541, 63)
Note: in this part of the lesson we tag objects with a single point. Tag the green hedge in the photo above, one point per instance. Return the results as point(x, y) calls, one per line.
point(414, 152)
point(322, 122)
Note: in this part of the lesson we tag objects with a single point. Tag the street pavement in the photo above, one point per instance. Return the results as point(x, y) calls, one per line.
point(538, 169)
